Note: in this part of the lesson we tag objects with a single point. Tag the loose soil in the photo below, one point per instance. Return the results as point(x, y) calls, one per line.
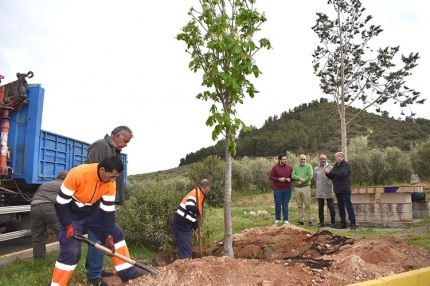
point(289, 255)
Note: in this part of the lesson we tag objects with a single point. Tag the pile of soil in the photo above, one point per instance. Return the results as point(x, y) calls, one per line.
point(290, 255)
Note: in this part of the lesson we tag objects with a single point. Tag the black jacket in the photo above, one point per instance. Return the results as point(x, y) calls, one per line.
point(98, 151)
point(341, 176)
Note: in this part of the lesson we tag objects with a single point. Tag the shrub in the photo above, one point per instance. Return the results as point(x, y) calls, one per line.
point(260, 170)
point(213, 169)
point(147, 216)
point(378, 165)
point(420, 158)
point(399, 168)
point(250, 174)
point(241, 175)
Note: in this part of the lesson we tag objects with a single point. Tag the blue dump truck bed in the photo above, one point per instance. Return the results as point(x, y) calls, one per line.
point(37, 156)
point(34, 157)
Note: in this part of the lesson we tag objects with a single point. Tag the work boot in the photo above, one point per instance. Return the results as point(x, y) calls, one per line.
point(137, 274)
point(352, 226)
point(97, 282)
point(301, 222)
point(333, 225)
point(321, 224)
point(342, 226)
point(106, 274)
point(310, 223)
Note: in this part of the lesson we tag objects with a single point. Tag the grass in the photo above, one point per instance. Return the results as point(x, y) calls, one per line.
point(30, 272)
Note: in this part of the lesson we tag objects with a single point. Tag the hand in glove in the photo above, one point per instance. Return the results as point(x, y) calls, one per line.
point(69, 231)
point(110, 244)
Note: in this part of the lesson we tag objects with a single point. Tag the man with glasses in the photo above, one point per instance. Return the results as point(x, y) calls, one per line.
point(110, 145)
point(302, 175)
point(280, 175)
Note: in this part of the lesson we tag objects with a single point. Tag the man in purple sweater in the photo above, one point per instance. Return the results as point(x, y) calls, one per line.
point(280, 175)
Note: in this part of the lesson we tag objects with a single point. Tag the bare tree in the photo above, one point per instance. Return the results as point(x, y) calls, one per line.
point(351, 71)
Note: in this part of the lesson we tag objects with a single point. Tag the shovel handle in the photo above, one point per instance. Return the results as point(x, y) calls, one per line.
point(107, 251)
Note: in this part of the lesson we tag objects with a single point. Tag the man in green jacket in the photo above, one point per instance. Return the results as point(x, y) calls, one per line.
point(302, 175)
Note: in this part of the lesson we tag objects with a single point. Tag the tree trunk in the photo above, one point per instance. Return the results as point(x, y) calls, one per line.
point(342, 92)
point(228, 227)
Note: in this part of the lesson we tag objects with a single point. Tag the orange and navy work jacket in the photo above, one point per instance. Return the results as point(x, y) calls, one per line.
point(82, 193)
point(185, 217)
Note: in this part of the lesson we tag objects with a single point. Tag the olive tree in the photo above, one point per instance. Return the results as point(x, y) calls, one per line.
point(219, 39)
point(351, 71)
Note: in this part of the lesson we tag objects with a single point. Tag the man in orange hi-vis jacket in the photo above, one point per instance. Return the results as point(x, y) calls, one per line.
point(185, 218)
point(87, 199)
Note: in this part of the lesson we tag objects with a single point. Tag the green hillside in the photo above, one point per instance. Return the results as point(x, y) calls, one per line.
point(314, 128)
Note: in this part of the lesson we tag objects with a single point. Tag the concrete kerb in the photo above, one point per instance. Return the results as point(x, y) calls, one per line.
point(24, 254)
point(417, 277)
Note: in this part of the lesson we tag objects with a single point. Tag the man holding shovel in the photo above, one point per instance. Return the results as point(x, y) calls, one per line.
point(87, 199)
point(110, 145)
point(187, 217)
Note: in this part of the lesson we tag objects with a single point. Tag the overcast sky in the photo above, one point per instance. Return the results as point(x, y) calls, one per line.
point(109, 63)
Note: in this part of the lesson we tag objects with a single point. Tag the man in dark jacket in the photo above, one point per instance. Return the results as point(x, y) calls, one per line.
point(110, 145)
point(341, 176)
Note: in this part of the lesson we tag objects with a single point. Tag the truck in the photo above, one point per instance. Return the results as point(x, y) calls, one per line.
point(29, 156)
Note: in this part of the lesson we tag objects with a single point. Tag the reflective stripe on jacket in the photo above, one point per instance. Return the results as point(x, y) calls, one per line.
point(189, 209)
point(82, 192)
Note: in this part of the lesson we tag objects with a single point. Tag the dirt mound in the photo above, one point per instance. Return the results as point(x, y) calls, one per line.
point(290, 255)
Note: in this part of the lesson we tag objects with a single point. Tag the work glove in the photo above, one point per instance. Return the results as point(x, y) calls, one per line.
point(69, 231)
point(110, 244)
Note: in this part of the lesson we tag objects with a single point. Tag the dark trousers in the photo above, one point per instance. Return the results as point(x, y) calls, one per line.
point(70, 250)
point(183, 243)
point(330, 205)
point(42, 215)
point(344, 202)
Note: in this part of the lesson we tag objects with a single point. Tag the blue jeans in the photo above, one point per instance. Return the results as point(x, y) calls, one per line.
point(282, 199)
point(344, 201)
point(95, 257)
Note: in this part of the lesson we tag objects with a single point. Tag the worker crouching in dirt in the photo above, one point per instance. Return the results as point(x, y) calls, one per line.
point(87, 199)
point(186, 218)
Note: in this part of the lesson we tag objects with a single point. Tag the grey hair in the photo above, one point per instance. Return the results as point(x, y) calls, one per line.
point(121, 129)
point(340, 154)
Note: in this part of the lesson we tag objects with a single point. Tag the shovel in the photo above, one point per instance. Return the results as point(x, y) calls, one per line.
point(107, 251)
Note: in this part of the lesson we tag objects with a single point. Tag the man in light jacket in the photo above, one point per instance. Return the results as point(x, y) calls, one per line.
point(324, 191)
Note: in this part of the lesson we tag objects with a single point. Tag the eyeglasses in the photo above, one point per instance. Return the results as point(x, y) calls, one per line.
point(302, 159)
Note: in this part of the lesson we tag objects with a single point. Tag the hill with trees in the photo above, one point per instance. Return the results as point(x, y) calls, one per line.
point(314, 128)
